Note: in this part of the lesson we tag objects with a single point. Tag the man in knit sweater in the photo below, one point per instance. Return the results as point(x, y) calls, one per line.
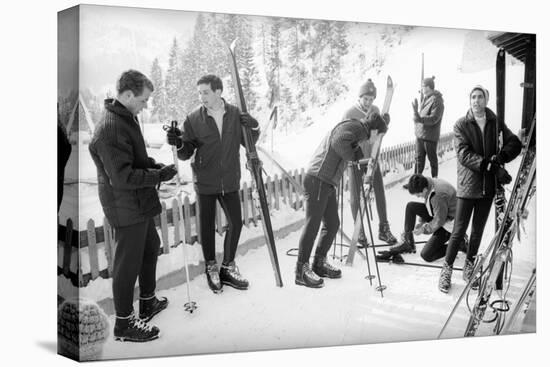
point(127, 178)
point(363, 110)
point(212, 136)
point(345, 143)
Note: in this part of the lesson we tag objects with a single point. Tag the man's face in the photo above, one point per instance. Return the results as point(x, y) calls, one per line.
point(366, 101)
point(135, 104)
point(477, 101)
point(426, 91)
point(208, 97)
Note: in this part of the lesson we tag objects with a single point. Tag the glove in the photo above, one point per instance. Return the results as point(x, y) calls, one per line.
point(159, 166)
point(386, 118)
point(376, 122)
point(166, 173)
point(195, 143)
point(173, 137)
point(497, 159)
point(248, 121)
point(503, 176)
point(415, 105)
point(357, 153)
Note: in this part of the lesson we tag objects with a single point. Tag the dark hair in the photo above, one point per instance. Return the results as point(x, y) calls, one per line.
point(135, 81)
point(211, 79)
point(416, 184)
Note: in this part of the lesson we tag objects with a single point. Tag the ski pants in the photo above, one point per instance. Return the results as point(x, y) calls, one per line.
point(435, 248)
point(464, 209)
point(321, 206)
point(429, 148)
point(231, 206)
point(137, 249)
point(378, 187)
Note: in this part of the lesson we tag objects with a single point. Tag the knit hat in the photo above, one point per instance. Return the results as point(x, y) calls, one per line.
point(82, 329)
point(483, 90)
point(429, 82)
point(367, 88)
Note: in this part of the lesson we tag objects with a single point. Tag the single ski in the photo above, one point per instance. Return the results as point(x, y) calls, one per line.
point(297, 186)
point(500, 197)
point(254, 164)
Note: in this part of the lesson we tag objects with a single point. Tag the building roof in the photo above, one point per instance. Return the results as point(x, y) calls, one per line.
point(516, 44)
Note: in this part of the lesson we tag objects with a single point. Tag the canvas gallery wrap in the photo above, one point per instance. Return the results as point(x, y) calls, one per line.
point(232, 183)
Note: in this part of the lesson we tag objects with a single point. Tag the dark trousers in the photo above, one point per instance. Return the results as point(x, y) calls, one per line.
point(429, 148)
point(378, 187)
point(464, 209)
point(320, 206)
point(137, 249)
point(231, 206)
point(435, 247)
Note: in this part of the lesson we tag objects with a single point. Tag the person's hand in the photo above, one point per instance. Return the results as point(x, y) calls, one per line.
point(173, 137)
point(386, 118)
point(503, 176)
point(166, 173)
point(248, 121)
point(376, 122)
point(415, 105)
point(497, 160)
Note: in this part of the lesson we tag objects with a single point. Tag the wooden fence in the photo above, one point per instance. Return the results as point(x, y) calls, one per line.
point(280, 192)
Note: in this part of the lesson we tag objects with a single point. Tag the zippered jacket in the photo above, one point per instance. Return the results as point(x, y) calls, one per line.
point(472, 148)
point(431, 114)
point(216, 161)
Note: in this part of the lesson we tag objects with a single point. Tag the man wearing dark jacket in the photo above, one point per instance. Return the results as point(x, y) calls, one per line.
point(126, 179)
point(482, 145)
point(427, 126)
point(213, 133)
point(345, 143)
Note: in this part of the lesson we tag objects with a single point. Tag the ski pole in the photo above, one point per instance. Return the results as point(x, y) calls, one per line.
point(190, 306)
point(355, 169)
point(380, 287)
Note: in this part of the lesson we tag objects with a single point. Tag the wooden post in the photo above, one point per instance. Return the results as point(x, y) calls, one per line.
point(276, 186)
point(176, 222)
point(246, 205)
point(219, 225)
point(187, 219)
point(198, 220)
point(67, 248)
point(253, 209)
point(109, 246)
point(92, 249)
point(164, 229)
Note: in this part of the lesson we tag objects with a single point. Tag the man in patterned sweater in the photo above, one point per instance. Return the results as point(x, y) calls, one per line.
point(126, 179)
point(345, 143)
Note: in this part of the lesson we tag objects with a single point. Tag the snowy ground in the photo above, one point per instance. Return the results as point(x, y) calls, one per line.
point(345, 311)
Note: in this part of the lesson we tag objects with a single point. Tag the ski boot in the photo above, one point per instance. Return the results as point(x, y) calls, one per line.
point(384, 233)
point(306, 277)
point(325, 270)
point(406, 246)
point(213, 277)
point(468, 273)
point(133, 329)
point(150, 306)
point(362, 241)
point(445, 278)
point(230, 275)
point(390, 257)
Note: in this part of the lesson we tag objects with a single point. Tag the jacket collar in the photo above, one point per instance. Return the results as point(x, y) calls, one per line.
point(489, 114)
point(118, 108)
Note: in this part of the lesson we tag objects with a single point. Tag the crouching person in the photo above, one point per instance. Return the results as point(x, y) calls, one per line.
point(436, 215)
point(346, 142)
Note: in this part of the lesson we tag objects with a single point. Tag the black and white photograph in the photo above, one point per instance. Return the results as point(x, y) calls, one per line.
point(231, 180)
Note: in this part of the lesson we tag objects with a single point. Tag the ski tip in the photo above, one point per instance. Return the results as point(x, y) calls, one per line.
point(233, 45)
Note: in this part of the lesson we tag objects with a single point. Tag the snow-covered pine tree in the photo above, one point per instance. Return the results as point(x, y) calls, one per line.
point(158, 97)
point(173, 85)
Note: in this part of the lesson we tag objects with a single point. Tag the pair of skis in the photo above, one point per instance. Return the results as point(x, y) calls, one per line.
point(254, 164)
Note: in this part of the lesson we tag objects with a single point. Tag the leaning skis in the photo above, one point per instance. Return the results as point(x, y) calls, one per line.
point(255, 166)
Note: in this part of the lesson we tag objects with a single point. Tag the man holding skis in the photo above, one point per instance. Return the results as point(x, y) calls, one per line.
point(346, 142)
point(127, 178)
point(363, 110)
point(212, 135)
